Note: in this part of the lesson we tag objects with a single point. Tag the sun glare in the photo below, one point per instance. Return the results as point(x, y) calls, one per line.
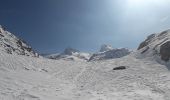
point(139, 3)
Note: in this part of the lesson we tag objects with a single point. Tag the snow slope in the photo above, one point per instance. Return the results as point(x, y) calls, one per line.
point(13, 45)
point(157, 47)
point(31, 78)
point(27, 78)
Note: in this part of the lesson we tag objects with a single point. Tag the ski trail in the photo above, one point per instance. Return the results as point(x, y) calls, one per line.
point(78, 75)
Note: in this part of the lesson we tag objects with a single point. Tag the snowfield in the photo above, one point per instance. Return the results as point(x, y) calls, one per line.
point(29, 78)
point(139, 75)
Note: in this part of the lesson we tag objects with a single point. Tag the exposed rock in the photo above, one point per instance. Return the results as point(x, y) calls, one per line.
point(165, 51)
point(120, 68)
point(13, 45)
point(147, 41)
point(146, 49)
point(105, 48)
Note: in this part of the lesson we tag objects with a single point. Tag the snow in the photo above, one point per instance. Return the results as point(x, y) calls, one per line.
point(105, 47)
point(109, 54)
point(27, 78)
point(13, 45)
point(152, 50)
point(70, 54)
point(31, 78)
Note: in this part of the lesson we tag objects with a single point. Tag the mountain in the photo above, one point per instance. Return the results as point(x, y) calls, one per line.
point(107, 52)
point(126, 78)
point(157, 47)
point(70, 54)
point(105, 48)
point(137, 76)
point(11, 44)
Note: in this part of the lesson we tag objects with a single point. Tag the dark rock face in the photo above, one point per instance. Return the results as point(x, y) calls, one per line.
point(120, 68)
point(165, 51)
point(146, 49)
point(146, 42)
point(143, 44)
point(163, 33)
point(14, 45)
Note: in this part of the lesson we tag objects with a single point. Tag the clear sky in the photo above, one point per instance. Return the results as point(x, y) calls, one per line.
point(52, 25)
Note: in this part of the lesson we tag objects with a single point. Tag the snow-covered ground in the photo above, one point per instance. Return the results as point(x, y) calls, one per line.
point(28, 78)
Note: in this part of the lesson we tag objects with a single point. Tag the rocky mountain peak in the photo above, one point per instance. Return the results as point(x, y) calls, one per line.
point(70, 51)
point(157, 45)
point(13, 45)
point(105, 47)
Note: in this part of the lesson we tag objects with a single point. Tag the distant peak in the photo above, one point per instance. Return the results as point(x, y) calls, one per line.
point(70, 51)
point(105, 47)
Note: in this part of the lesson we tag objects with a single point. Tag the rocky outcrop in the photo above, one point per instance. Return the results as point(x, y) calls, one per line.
point(120, 68)
point(156, 45)
point(11, 44)
point(105, 48)
point(165, 51)
point(147, 41)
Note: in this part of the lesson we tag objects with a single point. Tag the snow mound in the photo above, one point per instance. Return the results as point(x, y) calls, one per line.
point(11, 44)
point(109, 53)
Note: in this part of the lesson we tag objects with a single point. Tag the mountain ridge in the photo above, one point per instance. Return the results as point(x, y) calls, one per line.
point(13, 45)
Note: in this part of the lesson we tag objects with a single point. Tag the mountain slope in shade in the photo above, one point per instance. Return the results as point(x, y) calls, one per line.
point(13, 45)
point(109, 53)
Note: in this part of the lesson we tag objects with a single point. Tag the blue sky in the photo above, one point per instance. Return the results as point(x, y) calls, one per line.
point(52, 25)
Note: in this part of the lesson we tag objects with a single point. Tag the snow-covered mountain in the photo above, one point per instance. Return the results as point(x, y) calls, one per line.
point(137, 76)
point(13, 45)
point(156, 46)
point(30, 78)
point(70, 54)
point(105, 48)
point(107, 52)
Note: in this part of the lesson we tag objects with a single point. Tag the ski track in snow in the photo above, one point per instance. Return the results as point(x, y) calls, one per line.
point(27, 78)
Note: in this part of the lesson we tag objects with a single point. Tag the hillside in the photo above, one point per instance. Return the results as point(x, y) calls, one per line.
point(32, 78)
point(11, 44)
